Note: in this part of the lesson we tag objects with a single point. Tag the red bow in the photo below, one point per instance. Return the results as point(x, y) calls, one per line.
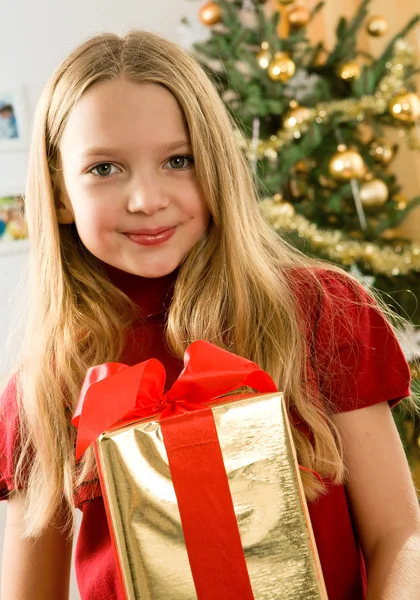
point(114, 394)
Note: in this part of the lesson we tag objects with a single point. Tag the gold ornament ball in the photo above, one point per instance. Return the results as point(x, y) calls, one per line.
point(374, 193)
point(295, 117)
point(264, 56)
point(382, 152)
point(281, 68)
point(210, 13)
point(346, 165)
point(377, 26)
point(349, 71)
point(405, 107)
point(400, 200)
point(299, 16)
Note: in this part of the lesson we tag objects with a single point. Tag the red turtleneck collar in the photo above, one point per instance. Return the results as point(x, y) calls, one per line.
point(152, 295)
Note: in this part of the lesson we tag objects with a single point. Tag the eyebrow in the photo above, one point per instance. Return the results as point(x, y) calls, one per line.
point(167, 147)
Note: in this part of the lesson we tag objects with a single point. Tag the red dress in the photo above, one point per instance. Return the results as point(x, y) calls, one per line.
point(368, 368)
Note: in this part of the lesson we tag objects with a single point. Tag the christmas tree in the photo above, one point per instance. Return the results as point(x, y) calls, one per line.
point(313, 123)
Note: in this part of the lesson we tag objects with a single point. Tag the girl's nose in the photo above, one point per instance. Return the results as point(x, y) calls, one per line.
point(148, 198)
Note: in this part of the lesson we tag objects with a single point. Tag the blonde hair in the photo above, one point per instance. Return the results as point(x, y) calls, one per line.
point(234, 289)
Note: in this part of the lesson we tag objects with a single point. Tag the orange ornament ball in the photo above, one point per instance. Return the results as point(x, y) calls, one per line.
point(346, 164)
point(374, 193)
point(299, 16)
point(281, 68)
point(405, 107)
point(210, 13)
point(377, 26)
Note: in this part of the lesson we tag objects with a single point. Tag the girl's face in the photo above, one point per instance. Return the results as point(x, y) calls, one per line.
point(129, 178)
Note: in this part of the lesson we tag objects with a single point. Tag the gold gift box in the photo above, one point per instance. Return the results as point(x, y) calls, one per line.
point(267, 494)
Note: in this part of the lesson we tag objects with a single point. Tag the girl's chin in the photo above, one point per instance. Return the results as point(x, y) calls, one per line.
point(153, 272)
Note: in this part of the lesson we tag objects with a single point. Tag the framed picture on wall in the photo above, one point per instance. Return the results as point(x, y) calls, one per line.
point(12, 219)
point(13, 133)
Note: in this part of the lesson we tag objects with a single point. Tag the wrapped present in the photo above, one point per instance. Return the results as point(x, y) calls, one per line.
point(203, 493)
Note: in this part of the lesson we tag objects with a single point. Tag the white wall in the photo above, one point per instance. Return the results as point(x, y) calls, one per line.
point(36, 35)
point(13, 263)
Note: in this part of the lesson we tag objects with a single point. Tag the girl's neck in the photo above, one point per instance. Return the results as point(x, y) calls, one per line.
point(152, 295)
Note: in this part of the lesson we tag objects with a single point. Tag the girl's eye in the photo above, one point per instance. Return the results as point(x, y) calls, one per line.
point(104, 170)
point(181, 162)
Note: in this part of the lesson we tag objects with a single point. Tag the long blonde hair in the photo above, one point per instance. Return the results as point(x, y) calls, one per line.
point(234, 289)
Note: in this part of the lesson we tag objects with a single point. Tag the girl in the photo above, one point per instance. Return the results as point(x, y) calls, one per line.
point(146, 235)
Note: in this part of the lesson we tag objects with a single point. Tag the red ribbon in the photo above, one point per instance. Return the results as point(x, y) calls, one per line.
point(114, 394)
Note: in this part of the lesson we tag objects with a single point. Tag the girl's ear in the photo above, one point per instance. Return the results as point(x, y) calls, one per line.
point(63, 207)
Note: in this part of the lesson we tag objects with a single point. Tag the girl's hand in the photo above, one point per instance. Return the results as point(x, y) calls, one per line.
point(383, 501)
point(34, 569)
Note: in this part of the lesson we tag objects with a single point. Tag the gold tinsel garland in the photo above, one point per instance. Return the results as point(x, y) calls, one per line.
point(388, 260)
point(349, 109)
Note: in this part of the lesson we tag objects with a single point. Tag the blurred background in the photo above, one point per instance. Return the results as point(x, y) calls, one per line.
point(325, 97)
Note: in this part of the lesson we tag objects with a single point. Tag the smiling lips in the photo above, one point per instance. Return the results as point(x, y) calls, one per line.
point(151, 237)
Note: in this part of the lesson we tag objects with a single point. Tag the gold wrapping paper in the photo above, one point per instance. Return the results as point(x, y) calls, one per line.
point(267, 494)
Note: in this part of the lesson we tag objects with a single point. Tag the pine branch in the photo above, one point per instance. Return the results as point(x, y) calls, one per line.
point(389, 50)
point(360, 16)
point(345, 47)
point(399, 217)
point(380, 66)
point(311, 54)
point(316, 9)
point(267, 27)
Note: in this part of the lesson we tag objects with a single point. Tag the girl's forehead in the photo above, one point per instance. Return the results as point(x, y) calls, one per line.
point(126, 114)
point(116, 98)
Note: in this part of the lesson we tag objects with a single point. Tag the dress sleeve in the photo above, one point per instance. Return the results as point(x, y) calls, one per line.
point(358, 361)
point(9, 433)
point(10, 444)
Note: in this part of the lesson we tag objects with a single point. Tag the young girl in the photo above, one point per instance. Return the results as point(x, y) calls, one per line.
point(145, 236)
